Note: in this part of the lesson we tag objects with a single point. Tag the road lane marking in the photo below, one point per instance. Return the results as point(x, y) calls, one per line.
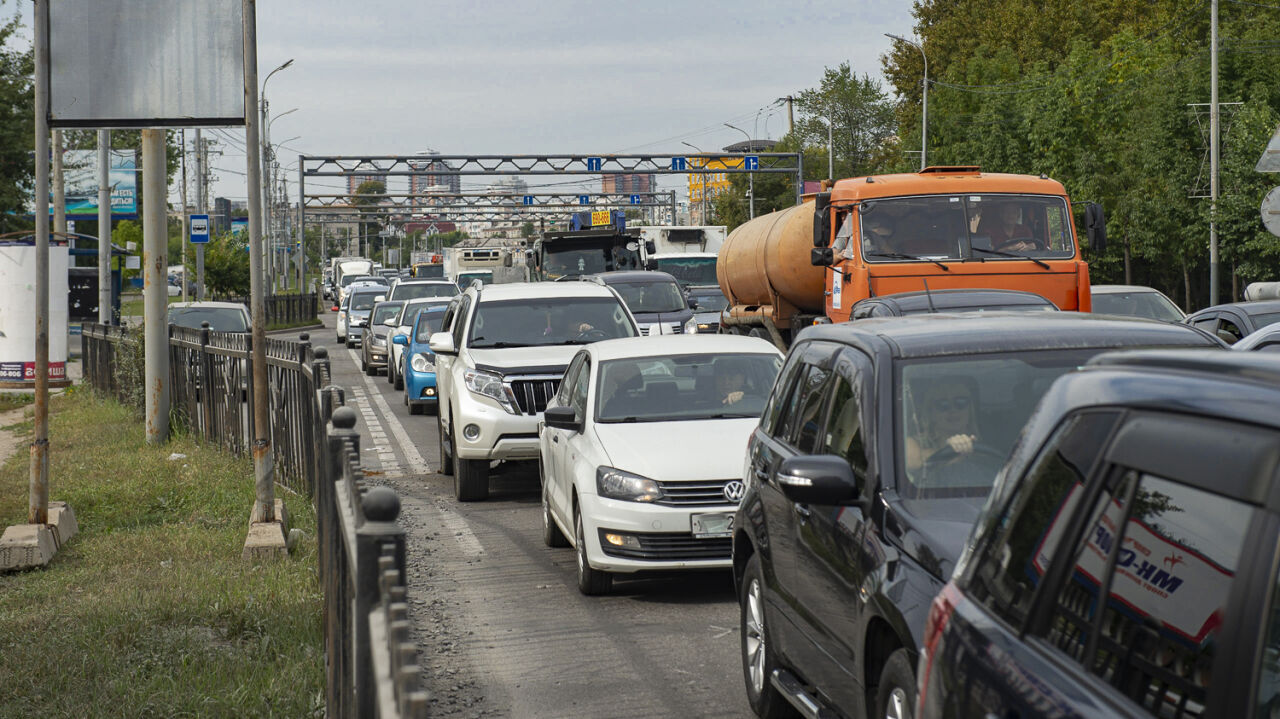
point(417, 464)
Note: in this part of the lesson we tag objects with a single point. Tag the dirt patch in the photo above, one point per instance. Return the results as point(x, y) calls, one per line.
point(12, 439)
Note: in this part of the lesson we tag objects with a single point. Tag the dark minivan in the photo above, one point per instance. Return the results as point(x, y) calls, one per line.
point(1126, 565)
point(654, 298)
point(876, 451)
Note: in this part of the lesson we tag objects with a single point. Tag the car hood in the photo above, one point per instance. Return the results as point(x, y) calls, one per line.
point(707, 317)
point(690, 450)
point(545, 360)
point(934, 531)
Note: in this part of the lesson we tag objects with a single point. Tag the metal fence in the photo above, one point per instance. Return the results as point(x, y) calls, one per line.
point(371, 664)
point(285, 309)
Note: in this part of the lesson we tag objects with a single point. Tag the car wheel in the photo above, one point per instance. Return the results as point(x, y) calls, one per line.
point(471, 480)
point(551, 534)
point(758, 659)
point(398, 383)
point(446, 452)
point(591, 582)
point(895, 695)
point(340, 338)
point(391, 376)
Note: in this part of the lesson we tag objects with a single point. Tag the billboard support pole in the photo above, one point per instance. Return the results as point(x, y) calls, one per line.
point(59, 186)
point(38, 505)
point(104, 227)
point(201, 173)
point(155, 288)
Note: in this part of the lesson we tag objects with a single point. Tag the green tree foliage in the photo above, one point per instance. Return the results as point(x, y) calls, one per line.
point(370, 229)
point(861, 117)
point(226, 266)
point(17, 128)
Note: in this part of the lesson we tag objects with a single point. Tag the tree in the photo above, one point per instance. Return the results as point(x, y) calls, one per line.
point(17, 129)
point(226, 266)
point(527, 230)
point(370, 229)
point(861, 118)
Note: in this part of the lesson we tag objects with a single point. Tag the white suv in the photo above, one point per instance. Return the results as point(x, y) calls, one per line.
point(499, 358)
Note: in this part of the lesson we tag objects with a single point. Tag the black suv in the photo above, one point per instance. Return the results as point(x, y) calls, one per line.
point(1151, 479)
point(878, 447)
point(959, 300)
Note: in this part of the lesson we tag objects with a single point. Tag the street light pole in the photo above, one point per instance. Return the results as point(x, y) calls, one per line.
point(924, 101)
point(266, 188)
point(751, 176)
point(703, 179)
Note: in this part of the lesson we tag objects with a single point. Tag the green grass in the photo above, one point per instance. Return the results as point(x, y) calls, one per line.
point(131, 305)
point(14, 400)
point(150, 611)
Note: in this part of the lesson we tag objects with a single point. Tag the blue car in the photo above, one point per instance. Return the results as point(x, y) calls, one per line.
point(418, 363)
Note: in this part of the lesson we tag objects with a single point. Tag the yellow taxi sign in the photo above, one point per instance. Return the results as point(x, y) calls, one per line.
point(601, 217)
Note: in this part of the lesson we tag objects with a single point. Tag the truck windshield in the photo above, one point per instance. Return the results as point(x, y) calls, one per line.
point(964, 227)
point(689, 270)
point(685, 387)
point(651, 296)
point(568, 258)
point(551, 321)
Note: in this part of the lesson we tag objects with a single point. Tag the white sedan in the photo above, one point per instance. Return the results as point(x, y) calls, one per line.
point(641, 452)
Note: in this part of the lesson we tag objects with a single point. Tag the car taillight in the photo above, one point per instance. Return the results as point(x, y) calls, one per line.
point(944, 605)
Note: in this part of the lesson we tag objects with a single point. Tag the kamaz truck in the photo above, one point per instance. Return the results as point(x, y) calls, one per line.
point(596, 241)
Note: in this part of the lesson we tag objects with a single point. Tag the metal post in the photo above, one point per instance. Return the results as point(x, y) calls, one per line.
point(924, 99)
point(104, 227)
point(1214, 119)
point(831, 149)
point(38, 490)
point(751, 176)
point(263, 463)
point(799, 177)
point(302, 230)
point(182, 194)
point(59, 186)
point(202, 169)
point(155, 294)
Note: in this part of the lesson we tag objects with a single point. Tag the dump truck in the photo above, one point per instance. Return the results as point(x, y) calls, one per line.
point(597, 241)
point(940, 228)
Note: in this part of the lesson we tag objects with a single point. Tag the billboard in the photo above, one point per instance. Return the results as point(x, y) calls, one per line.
point(80, 178)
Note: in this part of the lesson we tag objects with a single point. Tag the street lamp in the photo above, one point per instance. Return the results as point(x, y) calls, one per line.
point(924, 100)
point(266, 150)
point(751, 176)
point(703, 177)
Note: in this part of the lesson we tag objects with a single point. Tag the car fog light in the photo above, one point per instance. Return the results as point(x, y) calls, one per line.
point(622, 540)
point(428, 391)
point(471, 432)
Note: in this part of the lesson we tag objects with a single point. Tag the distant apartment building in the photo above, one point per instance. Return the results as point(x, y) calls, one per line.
point(220, 218)
point(430, 180)
point(627, 183)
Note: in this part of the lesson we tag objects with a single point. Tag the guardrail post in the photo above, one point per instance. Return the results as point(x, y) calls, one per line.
point(341, 442)
point(206, 384)
point(380, 507)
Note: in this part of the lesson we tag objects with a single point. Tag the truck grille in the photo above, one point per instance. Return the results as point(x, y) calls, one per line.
point(673, 546)
point(693, 494)
point(532, 393)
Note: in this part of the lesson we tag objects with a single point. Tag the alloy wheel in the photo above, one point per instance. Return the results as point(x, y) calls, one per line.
point(755, 644)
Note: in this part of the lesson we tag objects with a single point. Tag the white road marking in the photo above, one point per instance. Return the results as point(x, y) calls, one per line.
point(417, 464)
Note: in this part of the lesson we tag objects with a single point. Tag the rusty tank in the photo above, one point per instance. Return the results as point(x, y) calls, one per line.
point(764, 269)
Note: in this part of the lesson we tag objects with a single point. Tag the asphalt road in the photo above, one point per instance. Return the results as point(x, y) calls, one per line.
point(502, 629)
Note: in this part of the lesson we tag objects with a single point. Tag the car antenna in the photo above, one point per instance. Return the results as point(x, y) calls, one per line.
point(928, 295)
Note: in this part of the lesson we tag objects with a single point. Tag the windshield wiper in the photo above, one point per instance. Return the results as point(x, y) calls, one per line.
point(495, 345)
point(732, 415)
point(904, 256)
point(1002, 253)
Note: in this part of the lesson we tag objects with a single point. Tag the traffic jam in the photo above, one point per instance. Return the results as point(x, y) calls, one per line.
point(948, 476)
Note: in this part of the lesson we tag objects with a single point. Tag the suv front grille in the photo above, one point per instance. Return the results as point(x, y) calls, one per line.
point(654, 328)
point(672, 546)
point(693, 494)
point(532, 393)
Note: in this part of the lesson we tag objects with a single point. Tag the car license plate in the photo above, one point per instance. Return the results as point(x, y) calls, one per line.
point(712, 526)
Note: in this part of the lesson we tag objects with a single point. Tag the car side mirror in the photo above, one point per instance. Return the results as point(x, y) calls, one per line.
point(562, 418)
point(822, 257)
point(442, 344)
point(822, 479)
point(693, 303)
point(389, 322)
point(400, 340)
point(650, 248)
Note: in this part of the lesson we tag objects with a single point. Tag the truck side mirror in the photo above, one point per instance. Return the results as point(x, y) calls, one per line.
point(1095, 226)
point(822, 257)
point(650, 248)
point(821, 219)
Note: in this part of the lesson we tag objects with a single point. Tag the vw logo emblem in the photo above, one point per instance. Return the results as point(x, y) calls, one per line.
point(733, 490)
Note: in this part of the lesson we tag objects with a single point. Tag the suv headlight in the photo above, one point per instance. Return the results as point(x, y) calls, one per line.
point(691, 327)
point(488, 384)
point(422, 363)
point(376, 341)
point(617, 484)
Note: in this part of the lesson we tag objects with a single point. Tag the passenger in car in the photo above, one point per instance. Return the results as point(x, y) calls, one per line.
point(946, 419)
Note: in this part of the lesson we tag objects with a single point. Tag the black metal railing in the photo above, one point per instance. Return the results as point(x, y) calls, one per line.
point(371, 663)
point(285, 309)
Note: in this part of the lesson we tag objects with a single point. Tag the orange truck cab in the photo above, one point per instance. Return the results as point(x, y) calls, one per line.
point(941, 228)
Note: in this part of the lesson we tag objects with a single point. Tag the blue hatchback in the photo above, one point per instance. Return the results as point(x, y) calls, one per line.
point(418, 364)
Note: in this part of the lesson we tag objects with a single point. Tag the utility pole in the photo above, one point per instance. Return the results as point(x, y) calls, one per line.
point(1214, 118)
point(38, 486)
point(791, 118)
point(59, 186)
point(155, 293)
point(182, 193)
point(202, 169)
point(104, 227)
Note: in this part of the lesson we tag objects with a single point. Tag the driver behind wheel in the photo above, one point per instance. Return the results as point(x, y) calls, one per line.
point(947, 420)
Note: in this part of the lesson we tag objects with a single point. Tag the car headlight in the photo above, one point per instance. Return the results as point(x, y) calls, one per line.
point(703, 327)
point(422, 363)
point(617, 484)
point(376, 341)
point(488, 384)
point(691, 327)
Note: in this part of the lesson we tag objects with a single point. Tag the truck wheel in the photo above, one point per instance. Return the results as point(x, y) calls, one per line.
point(471, 480)
point(895, 695)
point(446, 452)
point(758, 659)
point(591, 582)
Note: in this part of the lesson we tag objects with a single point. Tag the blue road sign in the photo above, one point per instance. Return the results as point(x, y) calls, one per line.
point(594, 164)
point(199, 225)
point(584, 199)
point(635, 199)
point(528, 199)
point(678, 163)
point(751, 162)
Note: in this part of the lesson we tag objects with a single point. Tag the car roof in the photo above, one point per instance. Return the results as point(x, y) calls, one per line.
point(424, 281)
point(537, 290)
point(634, 276)
point(207, 304)
point(935, 335)
point(376, 290)
point(1118, 289)
point(662, 345)
point(955, 298)
point(1249, 308)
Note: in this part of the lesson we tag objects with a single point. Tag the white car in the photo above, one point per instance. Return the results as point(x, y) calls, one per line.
point(500, 354)
point(411, 289)
point(404, 325)
point(642, 451)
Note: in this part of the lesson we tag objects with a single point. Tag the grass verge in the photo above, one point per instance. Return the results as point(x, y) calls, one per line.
point(150, 611)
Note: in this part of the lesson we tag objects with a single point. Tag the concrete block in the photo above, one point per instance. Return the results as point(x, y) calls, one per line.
point(282, 516)
point(266, 540)
point(25, 546)
point(63, 521)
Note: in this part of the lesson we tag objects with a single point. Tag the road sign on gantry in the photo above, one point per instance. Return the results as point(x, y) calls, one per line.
point(199, 229)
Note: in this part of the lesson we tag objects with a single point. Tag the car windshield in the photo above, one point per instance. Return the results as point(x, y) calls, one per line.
point(418, 290)
point(1139, 303)
point(651, 296)
point(568, 257)
point(364, 300)
point(713, 301)
point(963, 227)
point(548, 321)
point(385, 311)
point(412, 309)
point(352, 279)
point(428, 323)
point(684, 387)
point(429, 271)
point(220, 319)
point(689, 270)
point(976, 403)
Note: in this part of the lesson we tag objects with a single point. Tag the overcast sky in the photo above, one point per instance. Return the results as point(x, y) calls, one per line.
point(556, 76)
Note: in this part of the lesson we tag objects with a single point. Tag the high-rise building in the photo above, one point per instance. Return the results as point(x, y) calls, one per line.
point(220, 221)
point(429, 167)
point(627, 183)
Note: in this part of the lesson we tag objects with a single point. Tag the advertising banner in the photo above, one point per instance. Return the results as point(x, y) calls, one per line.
point(80, 177)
